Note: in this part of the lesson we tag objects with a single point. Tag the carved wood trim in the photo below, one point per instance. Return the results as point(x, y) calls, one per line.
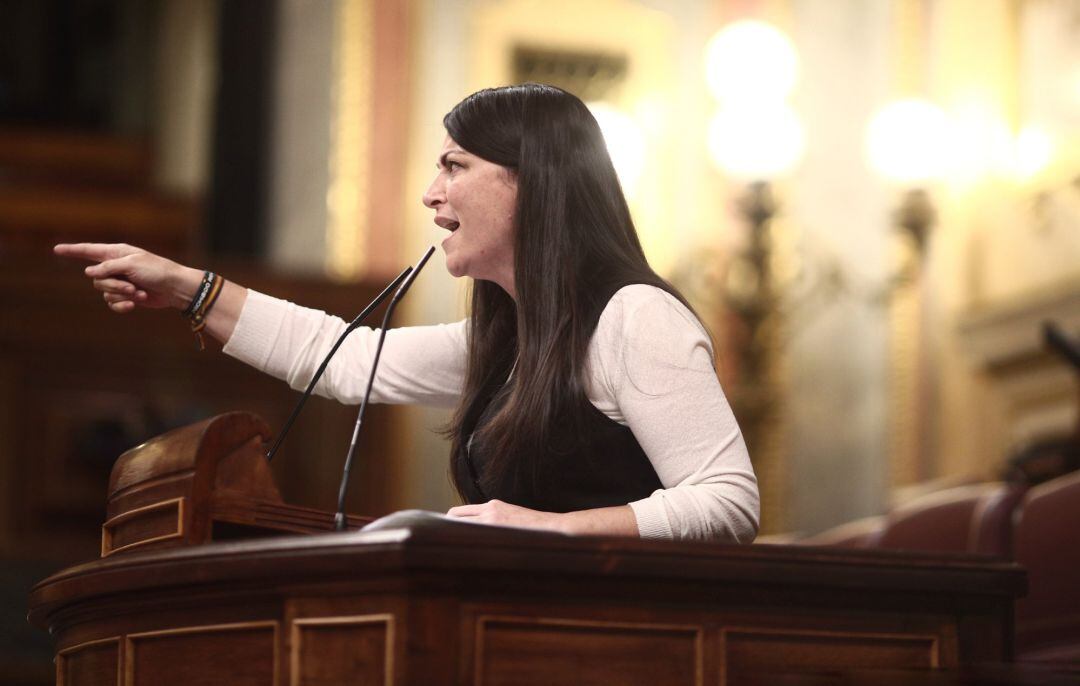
point(62, 656)
point(482, 620)
point(151, 484)
point(129, 642)
point(107, 528)
point(861, 636)
point(350, 620)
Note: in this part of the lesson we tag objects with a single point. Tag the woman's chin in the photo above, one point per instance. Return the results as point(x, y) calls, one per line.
point(456, 269)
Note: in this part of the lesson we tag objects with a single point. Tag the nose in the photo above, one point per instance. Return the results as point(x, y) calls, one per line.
point(436, 193)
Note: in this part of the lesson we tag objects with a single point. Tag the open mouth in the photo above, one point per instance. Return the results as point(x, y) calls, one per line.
point(453, 226)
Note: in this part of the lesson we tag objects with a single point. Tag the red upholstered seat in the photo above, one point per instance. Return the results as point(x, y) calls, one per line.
point(971, 519)
point(974, 518)
point(992, 522)
point(1047, 543)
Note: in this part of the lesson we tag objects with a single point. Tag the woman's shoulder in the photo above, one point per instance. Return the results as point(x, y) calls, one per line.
point(641, 304)
point(640, 293)
point(642, 318)
point(648, 336)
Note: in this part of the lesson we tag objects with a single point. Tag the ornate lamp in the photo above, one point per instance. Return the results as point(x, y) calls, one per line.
point(755, 137)
point(907, 143)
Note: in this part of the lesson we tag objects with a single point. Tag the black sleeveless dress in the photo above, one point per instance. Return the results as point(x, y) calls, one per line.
point(599, 463)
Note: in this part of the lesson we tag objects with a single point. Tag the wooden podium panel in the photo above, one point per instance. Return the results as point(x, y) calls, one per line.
point(418, 599)
point(203, 482)
point(515, 649)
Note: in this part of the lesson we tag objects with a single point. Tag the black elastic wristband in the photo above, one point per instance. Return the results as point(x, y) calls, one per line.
point(217, 284)
point(200, 294)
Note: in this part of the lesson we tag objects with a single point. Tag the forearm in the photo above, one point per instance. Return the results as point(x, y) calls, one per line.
point(726, 510)
point(603, 521)
point(419, 364)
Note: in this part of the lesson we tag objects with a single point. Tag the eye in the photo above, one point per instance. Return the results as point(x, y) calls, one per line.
point(451, 165)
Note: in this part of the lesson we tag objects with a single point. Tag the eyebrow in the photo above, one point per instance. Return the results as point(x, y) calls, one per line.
point(442, 158)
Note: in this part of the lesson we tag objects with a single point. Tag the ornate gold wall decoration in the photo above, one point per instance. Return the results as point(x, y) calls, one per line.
point(348, 194)
point(591, 75)
point(616, 37)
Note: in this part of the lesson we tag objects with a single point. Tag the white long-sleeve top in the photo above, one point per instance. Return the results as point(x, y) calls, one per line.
point(649, 368)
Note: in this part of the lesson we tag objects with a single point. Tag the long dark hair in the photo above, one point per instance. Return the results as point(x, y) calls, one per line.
point(574, 246)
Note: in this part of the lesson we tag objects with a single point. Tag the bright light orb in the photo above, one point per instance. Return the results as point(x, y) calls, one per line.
point(1033, 152)
point(981, 144)
point(907, 141)
point(625, 144)
point(750, 60)
point(756, 144)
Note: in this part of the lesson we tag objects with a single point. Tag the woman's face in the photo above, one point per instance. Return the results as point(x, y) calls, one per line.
point(474, 200)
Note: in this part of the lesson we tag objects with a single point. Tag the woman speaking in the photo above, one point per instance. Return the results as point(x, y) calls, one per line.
point(585, 393)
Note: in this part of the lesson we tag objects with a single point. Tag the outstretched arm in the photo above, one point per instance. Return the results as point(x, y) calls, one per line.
point(420, 364)
point(130, 277)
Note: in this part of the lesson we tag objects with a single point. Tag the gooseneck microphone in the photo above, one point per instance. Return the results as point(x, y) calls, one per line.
point(339, 518)
point(353, 326)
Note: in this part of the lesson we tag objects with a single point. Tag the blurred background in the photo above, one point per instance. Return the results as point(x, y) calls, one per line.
point(875, 204)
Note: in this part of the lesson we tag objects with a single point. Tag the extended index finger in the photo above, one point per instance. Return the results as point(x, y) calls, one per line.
point(95, 252)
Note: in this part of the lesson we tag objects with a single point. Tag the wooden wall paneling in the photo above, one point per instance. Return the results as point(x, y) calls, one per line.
point(356, 649)
point(578, 638)
point(548, 650)
point(30, 154)
point(432, 646)
point(342, 635)
point(738, 632)
point(760, 615)
point(238, 654)
point(177, 609)
point(93, 663)
point(749, 649)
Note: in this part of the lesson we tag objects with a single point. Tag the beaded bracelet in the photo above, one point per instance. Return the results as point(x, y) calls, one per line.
point(205, 297)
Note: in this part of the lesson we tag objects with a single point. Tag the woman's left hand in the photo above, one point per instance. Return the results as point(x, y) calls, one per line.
point(504, 514)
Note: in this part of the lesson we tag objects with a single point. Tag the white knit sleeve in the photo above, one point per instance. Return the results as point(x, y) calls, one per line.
point(651, 369)
point(418, 364)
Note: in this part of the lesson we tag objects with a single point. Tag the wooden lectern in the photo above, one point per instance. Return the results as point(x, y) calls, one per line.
point(415, 598)
point(205, 482)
